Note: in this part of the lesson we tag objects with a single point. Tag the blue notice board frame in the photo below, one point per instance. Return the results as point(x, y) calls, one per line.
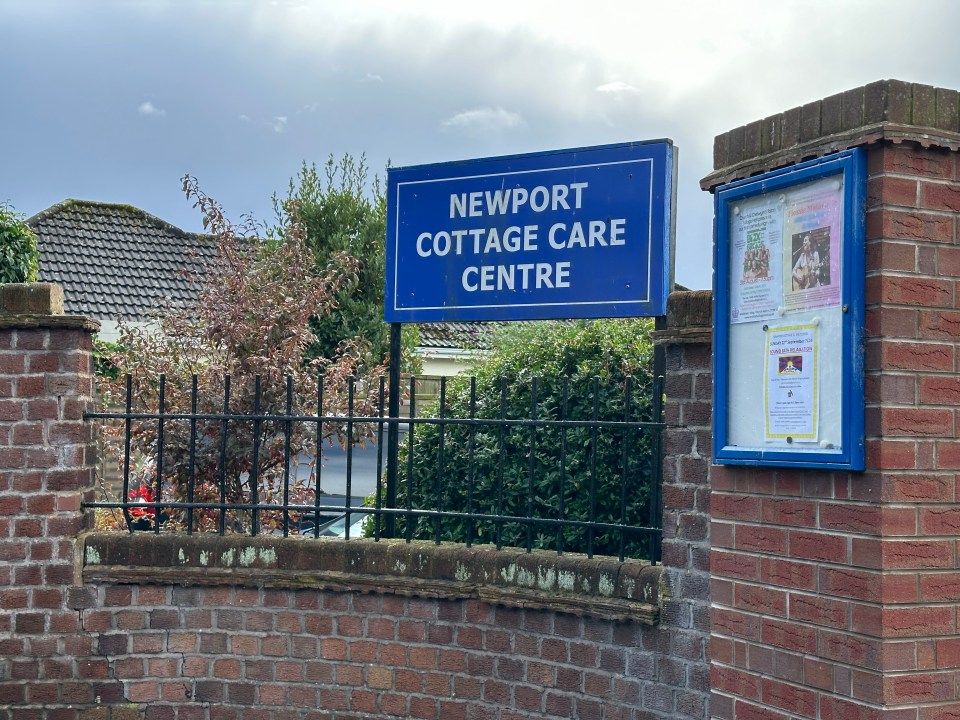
point(788, 367)
point(578, 233)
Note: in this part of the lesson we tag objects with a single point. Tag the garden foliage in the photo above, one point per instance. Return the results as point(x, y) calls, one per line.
point(250, 323)
point(19, 255)
point(549, 371)
point(343, 212)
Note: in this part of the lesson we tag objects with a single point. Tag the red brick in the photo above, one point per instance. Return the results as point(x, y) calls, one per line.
point(913, 225)
point(940, 196)
point(923, 291)
point(948, 455)
point(819, 610)
point(818, 674)
point(797, 700)
point(850, 583)
point(30, 386)
point(818, 546)
point(735, 624)
point(917, 554)
point(789, 573)
point(732, 680)
point(948, 652)
point(760, 599)
point(940, 587)
point(850, 517)
point(892, 322)
point(760, 538)
point(910, 422)
point(41, 409)
point(919, 621)
point(939, 389)
point(790, 512)
point(887, 190)
point(932, 357)
point(734, 565)
point(893, 454)
point(918, 687)
point(940, 521)
point(847, 648)
point(886, 255)
point(908, 159)
point(948, 261)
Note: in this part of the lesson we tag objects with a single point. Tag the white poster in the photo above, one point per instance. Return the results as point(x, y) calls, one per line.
point(756, 260)
point(791, 391)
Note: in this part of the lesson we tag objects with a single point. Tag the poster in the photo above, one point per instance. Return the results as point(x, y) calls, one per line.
point(792, 390)
point(756, 249)
point(811, 258)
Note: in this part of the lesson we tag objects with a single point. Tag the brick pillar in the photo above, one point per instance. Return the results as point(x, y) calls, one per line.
point(46, 470)
point(835, 594)
point(686, 499)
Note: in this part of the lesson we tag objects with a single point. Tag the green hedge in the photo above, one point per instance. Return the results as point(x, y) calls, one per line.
point(19, 255)
point(587, 363)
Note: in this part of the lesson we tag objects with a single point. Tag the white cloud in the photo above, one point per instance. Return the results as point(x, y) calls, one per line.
point(279, 124)
point(617, 86)
point(372, 77)
point(244, 118)
point(148, 108)
point(484, 119)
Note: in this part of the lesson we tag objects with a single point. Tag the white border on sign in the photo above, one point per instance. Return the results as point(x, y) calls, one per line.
point(396, 244)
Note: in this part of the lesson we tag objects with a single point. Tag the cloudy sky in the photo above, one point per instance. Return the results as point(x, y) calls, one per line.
point(114, 100)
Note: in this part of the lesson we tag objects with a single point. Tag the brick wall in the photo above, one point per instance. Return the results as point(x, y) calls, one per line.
point(88, 632)
point(834, 594)
point(686, 490)
point(45, 473)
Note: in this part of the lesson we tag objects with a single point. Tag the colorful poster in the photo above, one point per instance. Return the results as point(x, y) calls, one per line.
point(812, 234)
point(755, 260)
point(791, 391)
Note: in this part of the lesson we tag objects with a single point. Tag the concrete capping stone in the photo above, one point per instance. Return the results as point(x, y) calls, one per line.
point(600, 587)
point(31, 306)
point(689, 319)
point(52, 322)
point(31, 299)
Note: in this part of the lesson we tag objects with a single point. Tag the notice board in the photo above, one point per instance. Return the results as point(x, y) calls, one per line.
point(788, 360)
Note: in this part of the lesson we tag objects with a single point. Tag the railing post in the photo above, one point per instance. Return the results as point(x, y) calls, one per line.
point(393, 430)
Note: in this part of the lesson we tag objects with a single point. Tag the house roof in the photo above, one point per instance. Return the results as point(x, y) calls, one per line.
point(461, 335)
point(117, 261)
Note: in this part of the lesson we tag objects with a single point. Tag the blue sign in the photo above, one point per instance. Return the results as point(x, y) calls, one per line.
point(581, 233)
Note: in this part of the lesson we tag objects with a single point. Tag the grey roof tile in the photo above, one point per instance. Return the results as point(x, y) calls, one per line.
point(117, 260)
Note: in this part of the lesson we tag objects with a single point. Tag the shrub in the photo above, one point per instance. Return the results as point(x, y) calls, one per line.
point(548, 371)
point(250, 323)
point(19, 255)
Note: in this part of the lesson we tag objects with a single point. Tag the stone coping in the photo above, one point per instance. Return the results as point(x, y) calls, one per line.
point(602, 588)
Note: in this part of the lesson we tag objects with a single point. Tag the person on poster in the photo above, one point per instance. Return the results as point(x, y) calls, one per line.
point(806, 270)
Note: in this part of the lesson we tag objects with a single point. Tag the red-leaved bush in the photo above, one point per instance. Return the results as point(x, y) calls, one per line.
point(250, 323)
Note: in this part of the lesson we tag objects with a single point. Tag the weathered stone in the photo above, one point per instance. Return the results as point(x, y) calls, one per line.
point(31, 299)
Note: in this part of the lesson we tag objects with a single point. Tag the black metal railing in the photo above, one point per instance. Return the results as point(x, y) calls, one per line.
point(578, 471)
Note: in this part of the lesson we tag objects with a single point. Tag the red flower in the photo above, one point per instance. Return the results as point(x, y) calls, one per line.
point(141, 496)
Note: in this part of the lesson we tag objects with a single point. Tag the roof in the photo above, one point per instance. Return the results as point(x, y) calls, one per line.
point(117, 261)
point(462, 335)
